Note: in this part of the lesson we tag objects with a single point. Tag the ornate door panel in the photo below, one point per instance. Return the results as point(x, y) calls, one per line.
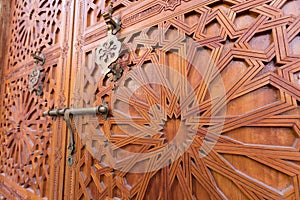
point(32, 146)
point(207, 106)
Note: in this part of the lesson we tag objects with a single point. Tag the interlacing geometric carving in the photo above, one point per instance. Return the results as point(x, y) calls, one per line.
point(32, 150)
point(26, 136)
point(255, 46)
point(95, 8)
point(35, 24)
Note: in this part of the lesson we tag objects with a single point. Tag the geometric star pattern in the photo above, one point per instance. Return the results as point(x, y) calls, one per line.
point(229, 129)
point(32, 145)
point(254, 46)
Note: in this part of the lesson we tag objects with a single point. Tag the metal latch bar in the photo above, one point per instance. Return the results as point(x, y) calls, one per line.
point(68, 113)
point(77, 111)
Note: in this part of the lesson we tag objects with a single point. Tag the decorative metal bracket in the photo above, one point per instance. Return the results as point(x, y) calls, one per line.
point(68, 113)
point(115, 72)
point(39, 57)
point(36, 75)
point(113, 26)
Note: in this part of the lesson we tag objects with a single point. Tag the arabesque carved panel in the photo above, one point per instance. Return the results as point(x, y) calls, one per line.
point(35, 24)
point(207, 106)
point(26, 136)
point(32, 146)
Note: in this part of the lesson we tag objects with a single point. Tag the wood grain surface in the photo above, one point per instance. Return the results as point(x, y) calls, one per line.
point(218, 80)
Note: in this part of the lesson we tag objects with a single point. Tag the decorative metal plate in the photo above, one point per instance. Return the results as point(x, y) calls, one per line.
point(108, 52)
point(34, 78)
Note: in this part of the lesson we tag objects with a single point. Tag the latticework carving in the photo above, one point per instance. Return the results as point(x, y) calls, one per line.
point(35, 24)
point(32, 146)
point(95, 8)
point(26, 136)
point(254, 47)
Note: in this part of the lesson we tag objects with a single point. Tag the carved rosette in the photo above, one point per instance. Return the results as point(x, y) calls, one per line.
point(25, 135)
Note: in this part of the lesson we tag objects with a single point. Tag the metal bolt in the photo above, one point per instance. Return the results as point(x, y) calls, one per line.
point(103, 109)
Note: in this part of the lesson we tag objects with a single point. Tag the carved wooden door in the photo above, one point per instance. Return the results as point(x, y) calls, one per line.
point(32, 146)
point(207, 106)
